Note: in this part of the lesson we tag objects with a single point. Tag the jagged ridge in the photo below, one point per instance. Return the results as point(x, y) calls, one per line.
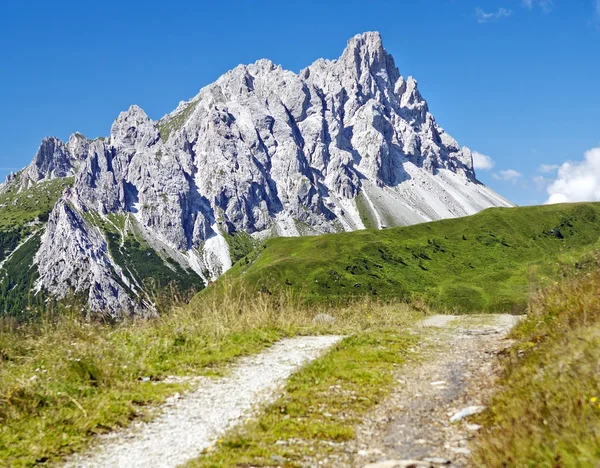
point(340, 145)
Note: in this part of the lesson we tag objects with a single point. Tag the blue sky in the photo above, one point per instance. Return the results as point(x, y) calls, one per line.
point(515, 80)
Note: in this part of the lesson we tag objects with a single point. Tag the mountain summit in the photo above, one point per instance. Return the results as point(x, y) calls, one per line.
point(342, 145)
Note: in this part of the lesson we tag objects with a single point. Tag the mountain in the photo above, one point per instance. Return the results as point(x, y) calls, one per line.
point(262, 152)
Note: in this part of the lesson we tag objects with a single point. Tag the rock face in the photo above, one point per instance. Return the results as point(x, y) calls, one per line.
point(341, 145)
point(73, 256)
point(53, 159)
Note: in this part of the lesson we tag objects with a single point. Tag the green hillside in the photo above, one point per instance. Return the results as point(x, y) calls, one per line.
point(486, 262)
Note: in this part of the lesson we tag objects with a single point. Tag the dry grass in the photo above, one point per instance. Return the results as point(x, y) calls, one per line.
point(547, 411)
point(64, 381)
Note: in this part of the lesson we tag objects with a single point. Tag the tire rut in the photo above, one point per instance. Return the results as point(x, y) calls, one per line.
point(423, 422)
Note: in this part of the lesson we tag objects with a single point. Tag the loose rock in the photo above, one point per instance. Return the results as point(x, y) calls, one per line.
point(465, 412)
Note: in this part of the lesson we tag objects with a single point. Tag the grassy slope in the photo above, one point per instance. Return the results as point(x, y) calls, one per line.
point(19, 208)
point(17, 280)
point(485, 262)
point(547, 411)
point(240, 244)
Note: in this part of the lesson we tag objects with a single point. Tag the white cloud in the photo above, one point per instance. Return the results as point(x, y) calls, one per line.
point(577, 181)
point(545, 168)
point(484, 17)
point(545, 5)
point(509, 174)
point(541, 182)
point(482, 162)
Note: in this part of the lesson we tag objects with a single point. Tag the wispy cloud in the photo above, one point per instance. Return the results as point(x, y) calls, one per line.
point(541, 182)
point(509, 175)
point(482, 161)
point(485, 17)
point(545, 5)
point(545, 168)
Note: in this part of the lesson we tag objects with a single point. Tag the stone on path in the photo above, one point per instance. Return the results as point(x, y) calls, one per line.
point(468, 411)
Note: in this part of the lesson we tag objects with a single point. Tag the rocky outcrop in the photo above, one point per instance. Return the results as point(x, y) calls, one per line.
point(10, 178)
point(265, 151)
point(74, 257)
point(53, 159)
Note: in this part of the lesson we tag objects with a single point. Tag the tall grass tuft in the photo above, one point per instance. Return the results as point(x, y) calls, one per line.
point(547, 411)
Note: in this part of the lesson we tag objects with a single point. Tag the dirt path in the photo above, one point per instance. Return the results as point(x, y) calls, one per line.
point(190, 424)
point(421, 424)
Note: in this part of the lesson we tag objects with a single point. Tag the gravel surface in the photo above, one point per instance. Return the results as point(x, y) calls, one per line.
point(194, 422)
point(438, 320)
point(425, 422)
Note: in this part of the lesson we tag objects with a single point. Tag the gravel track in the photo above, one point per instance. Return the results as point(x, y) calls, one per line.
point(424, 423)
point(190, 424)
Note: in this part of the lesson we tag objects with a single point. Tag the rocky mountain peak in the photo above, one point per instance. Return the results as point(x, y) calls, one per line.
point(52, 160)
point(78, 145)
point(10, 178)
point(263, 65)
point(261, 152)
point(133, 128)
point(367, 49)
point(365, 53)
